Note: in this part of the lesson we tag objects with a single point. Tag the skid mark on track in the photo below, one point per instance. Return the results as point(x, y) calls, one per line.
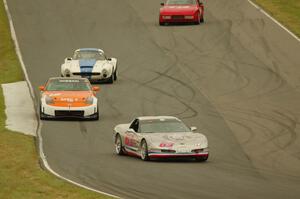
point(257, 81)
point(193, 112)
point(187, 86)
point(278, 127)
point(83, 128)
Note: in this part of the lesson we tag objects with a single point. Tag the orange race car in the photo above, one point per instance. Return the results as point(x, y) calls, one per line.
point(68, 98)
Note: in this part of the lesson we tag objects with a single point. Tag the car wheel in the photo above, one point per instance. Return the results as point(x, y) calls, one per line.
point(115, 75)
point(118, 145)
point(198, 18)
point(202, 19)
point(144, 151)
point(202, 158)
point(162, 23)
point(111, 79)
point(97, 115)
point(41, 114)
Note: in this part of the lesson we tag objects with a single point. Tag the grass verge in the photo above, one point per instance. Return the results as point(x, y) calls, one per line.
point(286, 12)
point(20, 172)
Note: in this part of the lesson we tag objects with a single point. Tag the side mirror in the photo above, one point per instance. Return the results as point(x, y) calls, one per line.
point(42, 88)
point(130, 131)
point(96, 88)
point(193, 128)
point(162, 4)
point(109, 59)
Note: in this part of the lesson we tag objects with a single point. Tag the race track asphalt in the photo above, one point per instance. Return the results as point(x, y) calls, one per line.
point(236, 77)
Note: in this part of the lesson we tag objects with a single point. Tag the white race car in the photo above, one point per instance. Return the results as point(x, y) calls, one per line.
point(160, 137)
point(90, 63)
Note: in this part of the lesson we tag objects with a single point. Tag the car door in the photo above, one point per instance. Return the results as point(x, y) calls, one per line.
point(131, 137)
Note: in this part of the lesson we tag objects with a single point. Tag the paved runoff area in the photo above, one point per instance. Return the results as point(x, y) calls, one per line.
point(19, 109)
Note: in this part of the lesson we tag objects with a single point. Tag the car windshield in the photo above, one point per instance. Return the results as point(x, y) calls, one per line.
point(181, 2)
point(88, 54)
point(68, 85)
point(163, 126)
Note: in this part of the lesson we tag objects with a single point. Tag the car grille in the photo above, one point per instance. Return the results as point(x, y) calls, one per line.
point(84, 74)
point(168, 151)
point(177, 17)
point(70, 113)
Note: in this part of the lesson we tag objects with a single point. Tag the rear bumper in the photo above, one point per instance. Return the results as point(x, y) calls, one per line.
point(177, 20)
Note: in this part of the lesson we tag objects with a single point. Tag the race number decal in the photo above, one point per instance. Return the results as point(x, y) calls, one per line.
point(166, 144)
point(129, 141)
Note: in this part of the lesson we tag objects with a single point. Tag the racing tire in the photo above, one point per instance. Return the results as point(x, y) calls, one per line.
point(198, 19)
point(118, 145)
point(115, 75)
point(111, 79)
point(202, 159)
point(41, 114)
point(162, 23)
point(202, 19)
point(97, 116)
point(144, 151)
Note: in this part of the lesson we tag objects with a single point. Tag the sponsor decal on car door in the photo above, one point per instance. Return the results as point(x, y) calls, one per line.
point(131, 141)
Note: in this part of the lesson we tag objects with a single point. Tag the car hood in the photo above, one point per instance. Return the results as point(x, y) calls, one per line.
point(69, 98)
point(88, 65)
point(180, 10)
point(170, 140)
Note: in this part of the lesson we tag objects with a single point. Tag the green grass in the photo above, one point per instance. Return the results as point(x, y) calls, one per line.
point(286, 12)
point(20, 173)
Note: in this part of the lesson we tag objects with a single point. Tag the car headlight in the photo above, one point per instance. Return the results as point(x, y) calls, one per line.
point(49, 100)
point(104, 71)
point(202, 144)
point(67, 71)
point(203, 150)
point(89, 100)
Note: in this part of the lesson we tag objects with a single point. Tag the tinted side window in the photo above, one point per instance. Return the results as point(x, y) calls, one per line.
point(135, 125)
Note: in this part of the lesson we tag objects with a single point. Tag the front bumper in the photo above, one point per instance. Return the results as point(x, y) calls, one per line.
point(177, 155)
point(55, 112)
point(93, 78)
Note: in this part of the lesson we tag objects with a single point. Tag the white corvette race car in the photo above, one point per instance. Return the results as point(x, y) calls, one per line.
point(160, 137)
point(90, 63)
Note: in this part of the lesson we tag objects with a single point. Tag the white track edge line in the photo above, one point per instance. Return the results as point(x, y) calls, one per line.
point(273, 19)
point(40, 140)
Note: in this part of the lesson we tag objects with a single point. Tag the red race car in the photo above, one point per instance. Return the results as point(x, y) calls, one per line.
point(179, 11)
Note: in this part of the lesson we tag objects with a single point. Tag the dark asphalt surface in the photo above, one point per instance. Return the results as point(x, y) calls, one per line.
point(236, 77)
